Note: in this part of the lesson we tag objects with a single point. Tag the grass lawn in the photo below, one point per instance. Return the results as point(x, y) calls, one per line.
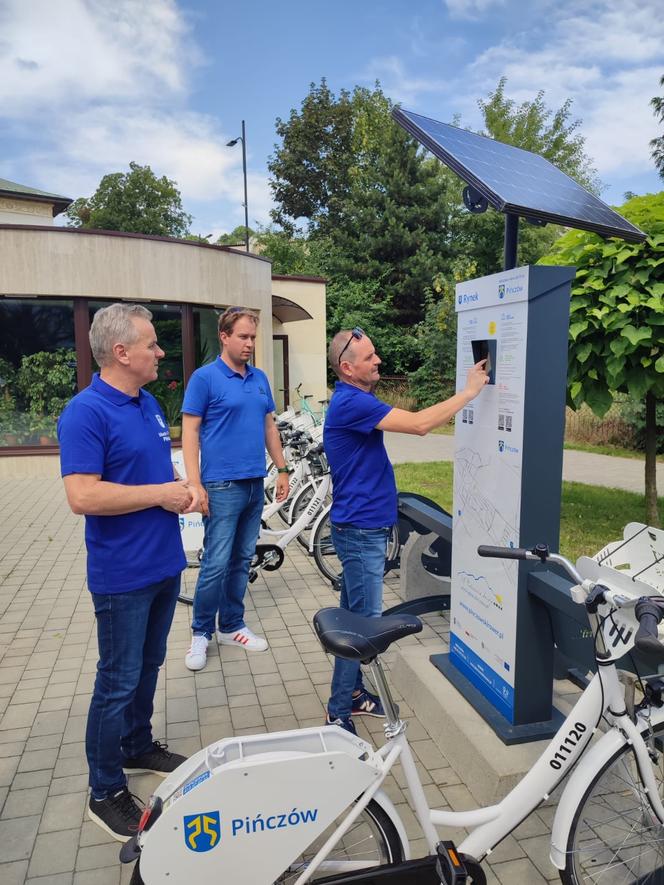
point(618, 451)
point(591, 515)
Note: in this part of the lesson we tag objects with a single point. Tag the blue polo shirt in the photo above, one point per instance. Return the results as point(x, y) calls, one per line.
point(125, 440)
point(233, 409)
point(364, 493)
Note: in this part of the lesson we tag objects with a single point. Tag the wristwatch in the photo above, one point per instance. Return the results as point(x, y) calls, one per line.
point(283, 470)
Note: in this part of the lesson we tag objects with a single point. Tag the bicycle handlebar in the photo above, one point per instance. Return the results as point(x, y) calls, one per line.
point(649, 612)
point(505, 552)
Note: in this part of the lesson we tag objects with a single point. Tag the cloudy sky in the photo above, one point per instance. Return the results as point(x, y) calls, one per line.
point(86, 86)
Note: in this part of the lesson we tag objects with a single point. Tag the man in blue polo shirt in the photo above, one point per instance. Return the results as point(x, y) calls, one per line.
point(228, 420)
point(364, 493)
point(115, 458)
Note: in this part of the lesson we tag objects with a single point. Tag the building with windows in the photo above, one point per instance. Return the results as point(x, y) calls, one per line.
point(53, 278)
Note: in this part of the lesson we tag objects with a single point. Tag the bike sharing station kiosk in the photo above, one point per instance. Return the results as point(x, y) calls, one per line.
point(509, 440)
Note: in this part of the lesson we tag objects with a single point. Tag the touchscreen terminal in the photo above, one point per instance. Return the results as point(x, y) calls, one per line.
point(485, 349)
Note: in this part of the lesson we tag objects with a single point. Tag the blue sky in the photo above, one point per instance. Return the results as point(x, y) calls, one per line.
point(86, 86)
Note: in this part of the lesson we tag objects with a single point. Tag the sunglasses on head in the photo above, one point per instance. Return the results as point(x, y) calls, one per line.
point(357, 333)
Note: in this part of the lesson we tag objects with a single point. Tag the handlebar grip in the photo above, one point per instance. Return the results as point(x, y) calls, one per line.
point(648, 613)
point(503, 552)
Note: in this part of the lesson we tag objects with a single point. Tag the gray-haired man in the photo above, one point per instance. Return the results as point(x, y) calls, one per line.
point(115, 457)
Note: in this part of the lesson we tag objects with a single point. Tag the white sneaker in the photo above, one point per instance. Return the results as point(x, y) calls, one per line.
point(196, 657)
point(243, 637)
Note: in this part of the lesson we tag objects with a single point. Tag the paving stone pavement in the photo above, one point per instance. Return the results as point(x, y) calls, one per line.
point(47, 666)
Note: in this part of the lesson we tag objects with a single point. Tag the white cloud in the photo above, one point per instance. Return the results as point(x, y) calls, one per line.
point(470, 9)
point(88, 86)
point(607, 58)
point(606, 61)
point(55, 55)
point(397, 83)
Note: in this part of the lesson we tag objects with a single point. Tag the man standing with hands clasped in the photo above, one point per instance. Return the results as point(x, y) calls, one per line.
point(228, 419)
point(364, 496)
point(115, 455)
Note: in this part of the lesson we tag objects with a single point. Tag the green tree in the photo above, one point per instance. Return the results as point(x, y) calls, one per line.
point(135, 201)
point(310, 169)
point(236, 237)
point(657, 144)
point(292, 253)
point(397, 225)
point(364, 303)
point(367, 190)
point(617, 321)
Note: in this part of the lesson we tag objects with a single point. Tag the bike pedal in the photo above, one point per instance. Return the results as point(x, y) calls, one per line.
point(450, 867)
point(253, 574)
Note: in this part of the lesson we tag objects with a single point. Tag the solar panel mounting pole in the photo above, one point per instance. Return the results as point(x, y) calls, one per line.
point(511, 240)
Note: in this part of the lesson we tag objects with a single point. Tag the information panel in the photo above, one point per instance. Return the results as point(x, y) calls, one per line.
point(492, 325)
point(191, 524)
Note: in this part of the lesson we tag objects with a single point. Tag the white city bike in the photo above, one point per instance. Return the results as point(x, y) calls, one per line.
point(297, 806)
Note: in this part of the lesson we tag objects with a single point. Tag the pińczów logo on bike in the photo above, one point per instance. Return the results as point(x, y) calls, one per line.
point(202, 832)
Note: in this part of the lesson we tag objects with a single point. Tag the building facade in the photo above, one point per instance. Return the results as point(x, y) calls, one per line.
point(52, 279)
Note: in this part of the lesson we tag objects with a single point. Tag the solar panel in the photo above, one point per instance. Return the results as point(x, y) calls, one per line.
point(516, 181)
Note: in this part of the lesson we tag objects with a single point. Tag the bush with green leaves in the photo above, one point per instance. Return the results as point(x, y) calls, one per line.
point(634, 414)
point(46, 380)
point(617, 320)
point(7, 385)
point(365, 304)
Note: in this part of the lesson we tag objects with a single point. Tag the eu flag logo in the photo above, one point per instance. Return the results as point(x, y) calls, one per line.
point(202, 831)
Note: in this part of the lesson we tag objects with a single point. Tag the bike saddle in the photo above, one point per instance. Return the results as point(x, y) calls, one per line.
point(357, 638)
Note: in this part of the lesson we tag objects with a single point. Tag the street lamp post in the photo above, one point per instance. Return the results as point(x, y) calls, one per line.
point(232, 143)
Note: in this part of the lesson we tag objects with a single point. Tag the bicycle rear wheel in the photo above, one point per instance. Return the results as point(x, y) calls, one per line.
point(371, 841)
point(325, 555)
point(615, 836)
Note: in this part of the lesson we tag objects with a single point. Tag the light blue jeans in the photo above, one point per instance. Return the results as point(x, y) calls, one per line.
point(362, 555)
point(231, 532)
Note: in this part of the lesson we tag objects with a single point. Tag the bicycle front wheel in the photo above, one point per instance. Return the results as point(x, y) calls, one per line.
point(615, 836)
point(373, 840)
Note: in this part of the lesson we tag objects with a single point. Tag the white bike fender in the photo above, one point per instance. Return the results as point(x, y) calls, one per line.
point(592, 761)
point(321, 517)
point(388, 807)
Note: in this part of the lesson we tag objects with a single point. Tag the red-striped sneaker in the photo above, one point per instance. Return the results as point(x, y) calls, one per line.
point(244, 638)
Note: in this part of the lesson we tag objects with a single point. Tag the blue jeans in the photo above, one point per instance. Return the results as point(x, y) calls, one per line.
point(132, 628)
point(362, 555)
point(231, 532)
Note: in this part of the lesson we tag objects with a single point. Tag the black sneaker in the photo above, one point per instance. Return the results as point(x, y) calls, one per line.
point(117, 814)
point(157, 760)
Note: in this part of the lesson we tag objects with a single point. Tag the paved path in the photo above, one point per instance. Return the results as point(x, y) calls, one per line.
point(47, 666)
point(596, 470)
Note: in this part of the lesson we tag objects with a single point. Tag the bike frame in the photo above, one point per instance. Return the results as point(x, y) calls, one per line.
point(569, 754)
point(300, 477)
point(282, 538)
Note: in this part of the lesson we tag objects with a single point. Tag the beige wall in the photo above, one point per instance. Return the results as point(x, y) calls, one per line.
point(306, 338)
point(29, 466)
point(66, 263)
point(14, 211)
